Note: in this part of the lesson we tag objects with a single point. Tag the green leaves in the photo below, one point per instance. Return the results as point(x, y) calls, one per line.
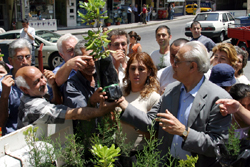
point(106, 156)
point(97, 41)
point(189, 162)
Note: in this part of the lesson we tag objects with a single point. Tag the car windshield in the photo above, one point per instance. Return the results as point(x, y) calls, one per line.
point(49, 36)
point(207, 17)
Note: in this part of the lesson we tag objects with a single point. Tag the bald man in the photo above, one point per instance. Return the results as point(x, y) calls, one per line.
point(35, 109)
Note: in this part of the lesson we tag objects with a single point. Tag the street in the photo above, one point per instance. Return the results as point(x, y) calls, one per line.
point(148, 41)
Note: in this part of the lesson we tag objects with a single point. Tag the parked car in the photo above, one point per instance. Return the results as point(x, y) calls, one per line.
point(214, 24)
point(51, 57)
point(191, 8)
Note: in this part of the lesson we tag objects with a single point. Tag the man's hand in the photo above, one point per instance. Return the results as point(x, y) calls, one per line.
point(7, 82)
point(106, 107)
point(170, 124)
point(25, 29)
point(228, 106)
point(118, 55)
point(78, 62)
point(50, 77)
point(97, 96)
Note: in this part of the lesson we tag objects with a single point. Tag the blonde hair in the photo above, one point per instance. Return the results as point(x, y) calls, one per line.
point(229, 50)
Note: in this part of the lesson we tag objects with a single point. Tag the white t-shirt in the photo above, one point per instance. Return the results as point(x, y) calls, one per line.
point(242, 79)
point(165, 76)
point(144, 105)
point(160, 60)
point(24, 35)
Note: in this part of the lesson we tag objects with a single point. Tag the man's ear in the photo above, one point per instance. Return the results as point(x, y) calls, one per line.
point(10, 61)
point(24, 90)
point(61, 55)
point(194, 66)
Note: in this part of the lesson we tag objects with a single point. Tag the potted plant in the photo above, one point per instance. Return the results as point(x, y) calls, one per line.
point(118, 20)
point(108, 21)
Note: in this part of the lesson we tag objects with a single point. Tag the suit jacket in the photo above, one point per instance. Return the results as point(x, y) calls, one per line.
point(207, 125)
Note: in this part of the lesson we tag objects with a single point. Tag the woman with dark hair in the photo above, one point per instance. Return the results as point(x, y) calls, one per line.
point(241, 93)
point(141, 88)
point(4, 69)
point(241, 63)
point(134, 46)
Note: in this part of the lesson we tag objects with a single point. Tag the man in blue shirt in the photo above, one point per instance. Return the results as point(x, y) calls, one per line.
point(19, 56)
point(196, 33)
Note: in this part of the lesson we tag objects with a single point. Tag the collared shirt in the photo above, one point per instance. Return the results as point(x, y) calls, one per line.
point(129, 10)
point(135, 9)
point(38, 110)
point(13, 103)
point(24, 35)
point(185, 105)
point(76, 93)
point(72, 73)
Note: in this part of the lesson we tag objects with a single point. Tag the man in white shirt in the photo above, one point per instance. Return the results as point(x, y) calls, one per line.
point(161, 57)
point(119, 43)
point(165, 75)
point(28, 33)
point(129, 11)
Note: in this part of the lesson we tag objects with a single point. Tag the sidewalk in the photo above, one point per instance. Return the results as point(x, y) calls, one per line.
point(123, 26)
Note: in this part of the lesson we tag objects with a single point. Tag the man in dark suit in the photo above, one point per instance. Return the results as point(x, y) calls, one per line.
point(190, 120)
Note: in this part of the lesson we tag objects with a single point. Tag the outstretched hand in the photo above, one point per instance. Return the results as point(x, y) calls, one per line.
point(228, 106)
point(170, 123)
point(106, 107)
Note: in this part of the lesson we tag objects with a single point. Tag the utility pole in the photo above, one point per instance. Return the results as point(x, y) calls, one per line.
point(199, 6)
point(248, 7)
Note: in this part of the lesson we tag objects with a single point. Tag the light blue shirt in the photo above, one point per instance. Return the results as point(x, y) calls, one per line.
point(185, 105)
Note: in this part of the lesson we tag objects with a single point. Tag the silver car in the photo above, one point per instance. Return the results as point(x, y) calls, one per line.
point(51, 57)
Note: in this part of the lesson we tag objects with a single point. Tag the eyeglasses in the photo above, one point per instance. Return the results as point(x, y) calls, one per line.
point(178, 62)
point(118, 44)
point(20, 58)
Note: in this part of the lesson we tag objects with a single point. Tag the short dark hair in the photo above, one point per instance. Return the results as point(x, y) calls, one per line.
point(163, 27)
point(179, 42)
point(2, 63)
point(240, 91)
point(25, 20)
point(195, 23)
point(118, 33)
point(244, 60)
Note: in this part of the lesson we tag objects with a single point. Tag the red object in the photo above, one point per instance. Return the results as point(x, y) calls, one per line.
point(162, 14)
point(144, 10)
point(242, 34)
point(0, 131)
point(40, 57)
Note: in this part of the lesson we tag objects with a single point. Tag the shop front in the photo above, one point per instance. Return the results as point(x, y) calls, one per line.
point(41, 14)
point(163, 7)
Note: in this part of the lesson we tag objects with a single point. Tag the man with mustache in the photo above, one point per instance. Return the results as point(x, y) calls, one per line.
point(161, 57)
point(119, 43)
point(35, 109)
point(19, 56)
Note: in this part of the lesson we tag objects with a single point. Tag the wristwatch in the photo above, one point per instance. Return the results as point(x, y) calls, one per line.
point(185, 133)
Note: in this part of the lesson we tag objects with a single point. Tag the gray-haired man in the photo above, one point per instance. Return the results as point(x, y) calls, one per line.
point(19, 56)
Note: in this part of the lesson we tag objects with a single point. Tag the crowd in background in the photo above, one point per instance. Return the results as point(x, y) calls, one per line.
point(177, 85)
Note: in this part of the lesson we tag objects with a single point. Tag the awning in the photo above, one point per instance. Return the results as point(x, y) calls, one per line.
point(176, 0)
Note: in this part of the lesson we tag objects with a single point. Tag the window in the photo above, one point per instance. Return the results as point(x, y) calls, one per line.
point(231, 18)
point(224, 17)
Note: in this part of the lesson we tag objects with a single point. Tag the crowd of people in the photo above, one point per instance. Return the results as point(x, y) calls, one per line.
point(174, 85)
